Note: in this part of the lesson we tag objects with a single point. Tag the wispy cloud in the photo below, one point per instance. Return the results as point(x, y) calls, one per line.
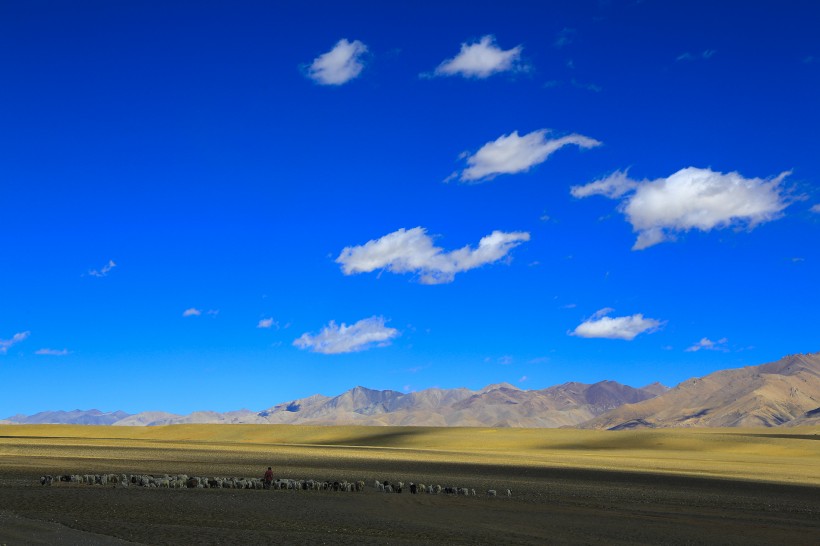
point(709, 345)
point(626, 328)
point(564, 37)
point(336, 339)
point(191, 312)
point(52, 352)
point(815, 208)
point(339, 65)
point(703, 55)
point(510, 154)
point(412, 251)
point(267, 323)
point(481, 60)
point(5, 344)
point(104, 270)
point(689, 199)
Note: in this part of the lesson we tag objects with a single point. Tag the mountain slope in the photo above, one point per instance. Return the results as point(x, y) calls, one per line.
point(76, 417)
point(766, 395)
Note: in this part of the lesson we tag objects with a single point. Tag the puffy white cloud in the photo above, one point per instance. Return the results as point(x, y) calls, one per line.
point(510, 154)
point(481, 59)
point(816, 208)
point(709, 345)
point(691, 198)
point(627, 328)
point(339, 65)
point(335, 339)
point(16, 338)
point(192, 312)
point(104, 270)
point(412, 251)
point(52, 352)
point(267, 323)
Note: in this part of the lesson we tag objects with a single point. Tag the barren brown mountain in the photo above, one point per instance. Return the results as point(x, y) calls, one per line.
point(782, 392)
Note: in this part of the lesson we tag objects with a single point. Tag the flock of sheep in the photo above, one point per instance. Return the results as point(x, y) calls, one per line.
point(183, 481)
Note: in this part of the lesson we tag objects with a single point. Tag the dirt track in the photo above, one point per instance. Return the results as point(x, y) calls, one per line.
point(549, 506)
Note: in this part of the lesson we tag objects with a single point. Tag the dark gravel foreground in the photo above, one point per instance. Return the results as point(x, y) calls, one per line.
point(550, 506)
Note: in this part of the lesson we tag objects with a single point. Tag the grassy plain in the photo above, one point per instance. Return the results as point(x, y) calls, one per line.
point(673, 486)
point(773, 455)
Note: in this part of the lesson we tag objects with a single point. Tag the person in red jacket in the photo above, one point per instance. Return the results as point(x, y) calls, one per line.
point(268, 478)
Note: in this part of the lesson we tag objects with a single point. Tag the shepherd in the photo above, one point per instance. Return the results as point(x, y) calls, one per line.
point(268, 478)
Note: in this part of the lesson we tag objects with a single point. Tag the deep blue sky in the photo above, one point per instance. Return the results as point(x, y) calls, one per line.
point(189, 144)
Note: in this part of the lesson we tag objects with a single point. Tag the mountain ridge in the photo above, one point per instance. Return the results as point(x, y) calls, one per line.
point(781, 393)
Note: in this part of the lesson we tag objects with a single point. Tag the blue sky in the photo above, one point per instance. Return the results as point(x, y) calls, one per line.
point(223, 205)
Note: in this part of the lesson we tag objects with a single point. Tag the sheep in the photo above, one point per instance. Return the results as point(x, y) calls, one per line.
point(46, 480)
point(491, 493)
point(509, 493)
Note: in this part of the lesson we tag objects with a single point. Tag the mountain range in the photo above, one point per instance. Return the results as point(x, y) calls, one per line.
point(782, 393)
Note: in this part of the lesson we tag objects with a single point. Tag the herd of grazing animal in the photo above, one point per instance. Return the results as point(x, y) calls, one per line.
point(183, 481)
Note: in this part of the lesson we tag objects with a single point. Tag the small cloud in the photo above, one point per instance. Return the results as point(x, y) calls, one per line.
point(626, 328)
point(104, 270)
point(808, 59)
point(339, 65)
point(815, 208)
point(337, 339)
point(5, 344)
point(52, 352)
point(539, 360)
point(705, 54)
point(523, 379)
point(709, 345)
point(550, 84)
point(798, 260)
point(412, 250)
point(505, 360)
point(570, 64)
point(587, 86)
point(267, 323)
point(481, 60)
point(564, 37)
point(510, 154)
point(192, 312)
point(407, 388)
point(212, 312)
point(544, 217)
point(569, 306)
point(602, 312)
point(691, 198)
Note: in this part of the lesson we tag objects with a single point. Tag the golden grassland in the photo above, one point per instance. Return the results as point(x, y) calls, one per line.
point(771, 455)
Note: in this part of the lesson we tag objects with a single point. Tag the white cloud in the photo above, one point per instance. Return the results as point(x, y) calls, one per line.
point(705, 54)
point(709, 345)
point(564, 37)
point(481, 59)
point(192, 312)
point(613, 186)
point(816, 208)
point(691, 198)
point(335, 339)
point(16, 338)
point(267, 323)
point(412, 251)
point(102, 272)
point(510, 154)
point(627, 328)
point(52, 352)
point(339, 65)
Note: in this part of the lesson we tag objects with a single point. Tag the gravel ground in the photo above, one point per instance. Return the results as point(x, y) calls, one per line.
point(548, 506)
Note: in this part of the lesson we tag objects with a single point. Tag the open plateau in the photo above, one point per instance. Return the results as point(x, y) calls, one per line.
point(674, 468)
